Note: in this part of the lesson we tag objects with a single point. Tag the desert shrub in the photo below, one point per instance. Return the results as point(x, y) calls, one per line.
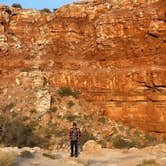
point(150, 140)
point(61, 132)
point(67, 91)
point(7, 158)
point(85, 136)
point(149, 162)
point(102, 120)
point(70, 117)
point(54, 109)
point(33, 111)
point(119, 142)
point(164, 139)
point(45, 10)
point(54, 129)
point(103, 143)
point(70, 104)
point(17, 5)
point(16, 133)
point(9, 107)
point(11, 33)
point(26, 154)
point(108, 138)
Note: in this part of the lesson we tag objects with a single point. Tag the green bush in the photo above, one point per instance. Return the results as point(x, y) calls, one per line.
point(67, 91)
point(17, 5)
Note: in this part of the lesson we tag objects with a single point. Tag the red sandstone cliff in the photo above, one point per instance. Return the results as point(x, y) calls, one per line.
point(114, 52)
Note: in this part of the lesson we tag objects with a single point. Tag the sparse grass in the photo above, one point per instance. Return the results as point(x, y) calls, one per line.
point(67, 91)
point(150, 162)
point(7, 158)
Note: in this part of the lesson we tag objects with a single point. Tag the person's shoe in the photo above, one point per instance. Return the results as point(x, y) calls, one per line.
point(76, 155)
point(71, 155)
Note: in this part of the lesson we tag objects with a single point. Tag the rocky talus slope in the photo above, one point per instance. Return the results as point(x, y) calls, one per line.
point(114, 52)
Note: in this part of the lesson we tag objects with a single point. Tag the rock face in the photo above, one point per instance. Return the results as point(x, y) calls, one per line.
point(113, 51)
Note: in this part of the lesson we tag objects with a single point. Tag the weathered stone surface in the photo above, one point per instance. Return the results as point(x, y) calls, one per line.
point(113, 51)
point(91, 146)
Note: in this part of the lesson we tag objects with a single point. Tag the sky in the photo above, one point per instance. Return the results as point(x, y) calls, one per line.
point(38, 4)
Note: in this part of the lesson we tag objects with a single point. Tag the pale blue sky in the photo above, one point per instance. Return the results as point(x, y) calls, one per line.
point(38, 4)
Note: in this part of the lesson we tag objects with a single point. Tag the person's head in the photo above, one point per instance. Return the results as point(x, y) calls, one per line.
point(74, 125)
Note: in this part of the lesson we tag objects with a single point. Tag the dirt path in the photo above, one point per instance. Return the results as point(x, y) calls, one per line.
point(107, 157)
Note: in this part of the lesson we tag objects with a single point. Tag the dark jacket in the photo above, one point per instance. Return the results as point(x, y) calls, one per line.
point(78, 134)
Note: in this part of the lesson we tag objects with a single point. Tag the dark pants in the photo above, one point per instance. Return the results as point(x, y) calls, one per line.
point(74, 148)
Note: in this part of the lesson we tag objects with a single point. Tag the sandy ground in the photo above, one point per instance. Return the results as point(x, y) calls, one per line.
point(106, 157)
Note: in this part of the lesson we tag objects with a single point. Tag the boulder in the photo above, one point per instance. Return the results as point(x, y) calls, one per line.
point(92, 146)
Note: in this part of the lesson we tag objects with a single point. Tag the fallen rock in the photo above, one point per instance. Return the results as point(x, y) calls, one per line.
point(92, 146)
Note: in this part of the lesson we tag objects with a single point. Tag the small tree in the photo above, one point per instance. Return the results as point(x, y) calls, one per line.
point(17, 5)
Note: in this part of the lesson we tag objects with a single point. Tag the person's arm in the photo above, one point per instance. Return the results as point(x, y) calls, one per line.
point(70, 134)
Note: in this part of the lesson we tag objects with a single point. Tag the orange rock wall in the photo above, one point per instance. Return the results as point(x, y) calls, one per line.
point(114, 52)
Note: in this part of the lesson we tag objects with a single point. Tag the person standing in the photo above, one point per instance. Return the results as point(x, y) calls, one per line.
point(74, 136)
